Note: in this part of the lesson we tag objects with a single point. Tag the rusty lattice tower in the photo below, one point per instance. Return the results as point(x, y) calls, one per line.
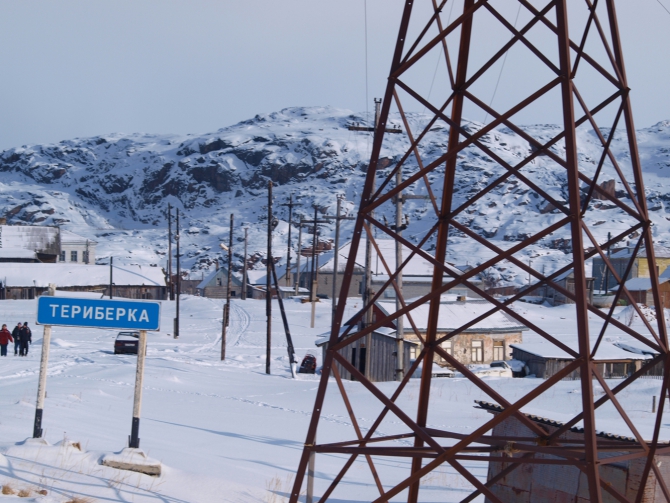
point(577, 60)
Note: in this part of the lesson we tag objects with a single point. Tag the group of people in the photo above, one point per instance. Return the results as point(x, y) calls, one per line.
point(21, 336)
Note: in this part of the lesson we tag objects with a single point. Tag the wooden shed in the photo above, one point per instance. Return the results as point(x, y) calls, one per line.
point(382, 354)
point(563, 482)
point(640, 290)
point(567, 281)
point(28, 281)
point(215, 285)
point(544, 360)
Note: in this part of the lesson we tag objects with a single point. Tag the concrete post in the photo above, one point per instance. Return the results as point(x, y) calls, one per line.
point(42, 383)
point(139, 380)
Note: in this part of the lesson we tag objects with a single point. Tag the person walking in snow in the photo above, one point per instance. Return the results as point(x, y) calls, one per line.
point(26, 338)
point(16, 333)
point(5, 338)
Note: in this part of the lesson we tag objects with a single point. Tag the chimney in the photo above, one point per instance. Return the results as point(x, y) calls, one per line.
point(461, 298)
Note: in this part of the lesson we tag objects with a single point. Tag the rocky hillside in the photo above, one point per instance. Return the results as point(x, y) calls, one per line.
point(115, 188)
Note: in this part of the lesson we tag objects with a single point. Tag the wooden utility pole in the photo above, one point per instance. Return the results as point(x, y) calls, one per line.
point(244, 266)
point(178, 293)
point(169, 264)
point(111, 275)
point(297, 267)
point(287, 331)
point(268, 285)
point(312, 293)
point(338, 217)
point(290, 205)
point(226, 307)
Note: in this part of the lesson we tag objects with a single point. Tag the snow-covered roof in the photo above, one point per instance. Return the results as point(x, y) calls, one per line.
point(19, 253)
point(643, 284)
point(30, 237)
point(659, 252)
point(606, 351)
point(417, 266)
point(67, 275)
point(385, 331)
point(67, 237)
point(453, 315)
point(212, 275)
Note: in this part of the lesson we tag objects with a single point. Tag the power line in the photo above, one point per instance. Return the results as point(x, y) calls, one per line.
point(502, 67)
point(664, 7)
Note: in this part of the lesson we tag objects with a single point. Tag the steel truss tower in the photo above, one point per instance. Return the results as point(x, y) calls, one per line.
point(566, 54)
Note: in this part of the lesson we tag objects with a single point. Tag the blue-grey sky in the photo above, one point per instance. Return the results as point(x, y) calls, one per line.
point(74, 68)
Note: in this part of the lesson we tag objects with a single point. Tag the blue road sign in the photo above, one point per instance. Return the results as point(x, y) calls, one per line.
point(98, 313)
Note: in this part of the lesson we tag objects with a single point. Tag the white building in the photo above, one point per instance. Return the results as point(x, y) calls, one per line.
point(75, 248)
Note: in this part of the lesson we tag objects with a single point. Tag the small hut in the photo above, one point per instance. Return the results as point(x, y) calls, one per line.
point(215, 285)
point(382, 354)
point(544, 360)
point(640, 290)
point(566, 482)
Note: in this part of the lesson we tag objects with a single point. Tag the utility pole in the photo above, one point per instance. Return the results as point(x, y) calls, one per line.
point(368, 270)
point(400, 322)
point(169, 264)
point(176, 320)
point(268, 284)
point(287, 331)
point(313, 271)
point(290, 205)
point(111, 275)
point(226, 308)
point(297, 267)
point(244, 267)
point(338, 217)
point(607, 269)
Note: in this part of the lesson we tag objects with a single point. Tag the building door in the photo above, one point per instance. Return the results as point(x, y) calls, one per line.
point(477, 348)
point(498, 350)
point(361, 360)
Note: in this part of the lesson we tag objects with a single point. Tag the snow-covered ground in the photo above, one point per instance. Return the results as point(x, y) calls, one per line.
point(226, 431)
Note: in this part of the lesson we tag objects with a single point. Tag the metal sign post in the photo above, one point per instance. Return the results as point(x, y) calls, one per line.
point(94, 313)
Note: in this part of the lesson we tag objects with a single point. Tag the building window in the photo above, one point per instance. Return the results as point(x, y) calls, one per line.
point(498, 350)
point(412, 352)
point(233, 293)
point(477, 349)
point(448, 347)
point(73, 256)
point(61, 257)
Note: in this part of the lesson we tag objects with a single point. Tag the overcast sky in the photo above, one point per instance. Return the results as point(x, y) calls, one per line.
point(74, 68)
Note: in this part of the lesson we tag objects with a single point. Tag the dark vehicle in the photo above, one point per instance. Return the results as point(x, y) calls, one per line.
point(127, 342)
point(308, 365)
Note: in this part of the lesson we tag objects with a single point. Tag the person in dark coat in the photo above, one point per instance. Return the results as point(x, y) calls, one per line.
point(16, 333)
point(5, 338)
point(26, 338)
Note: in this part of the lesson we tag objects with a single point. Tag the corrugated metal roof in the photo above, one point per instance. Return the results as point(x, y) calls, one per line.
point(41, 239)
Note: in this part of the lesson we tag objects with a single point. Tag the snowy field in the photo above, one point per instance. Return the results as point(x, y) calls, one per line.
point(225, 431)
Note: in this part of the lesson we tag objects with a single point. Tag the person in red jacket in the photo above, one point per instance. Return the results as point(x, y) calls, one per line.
point(5, 338)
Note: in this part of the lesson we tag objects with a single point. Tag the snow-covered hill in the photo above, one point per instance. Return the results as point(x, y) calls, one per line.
point(115, 188)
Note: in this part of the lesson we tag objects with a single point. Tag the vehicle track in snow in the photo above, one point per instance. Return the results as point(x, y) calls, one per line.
point(241, 325)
